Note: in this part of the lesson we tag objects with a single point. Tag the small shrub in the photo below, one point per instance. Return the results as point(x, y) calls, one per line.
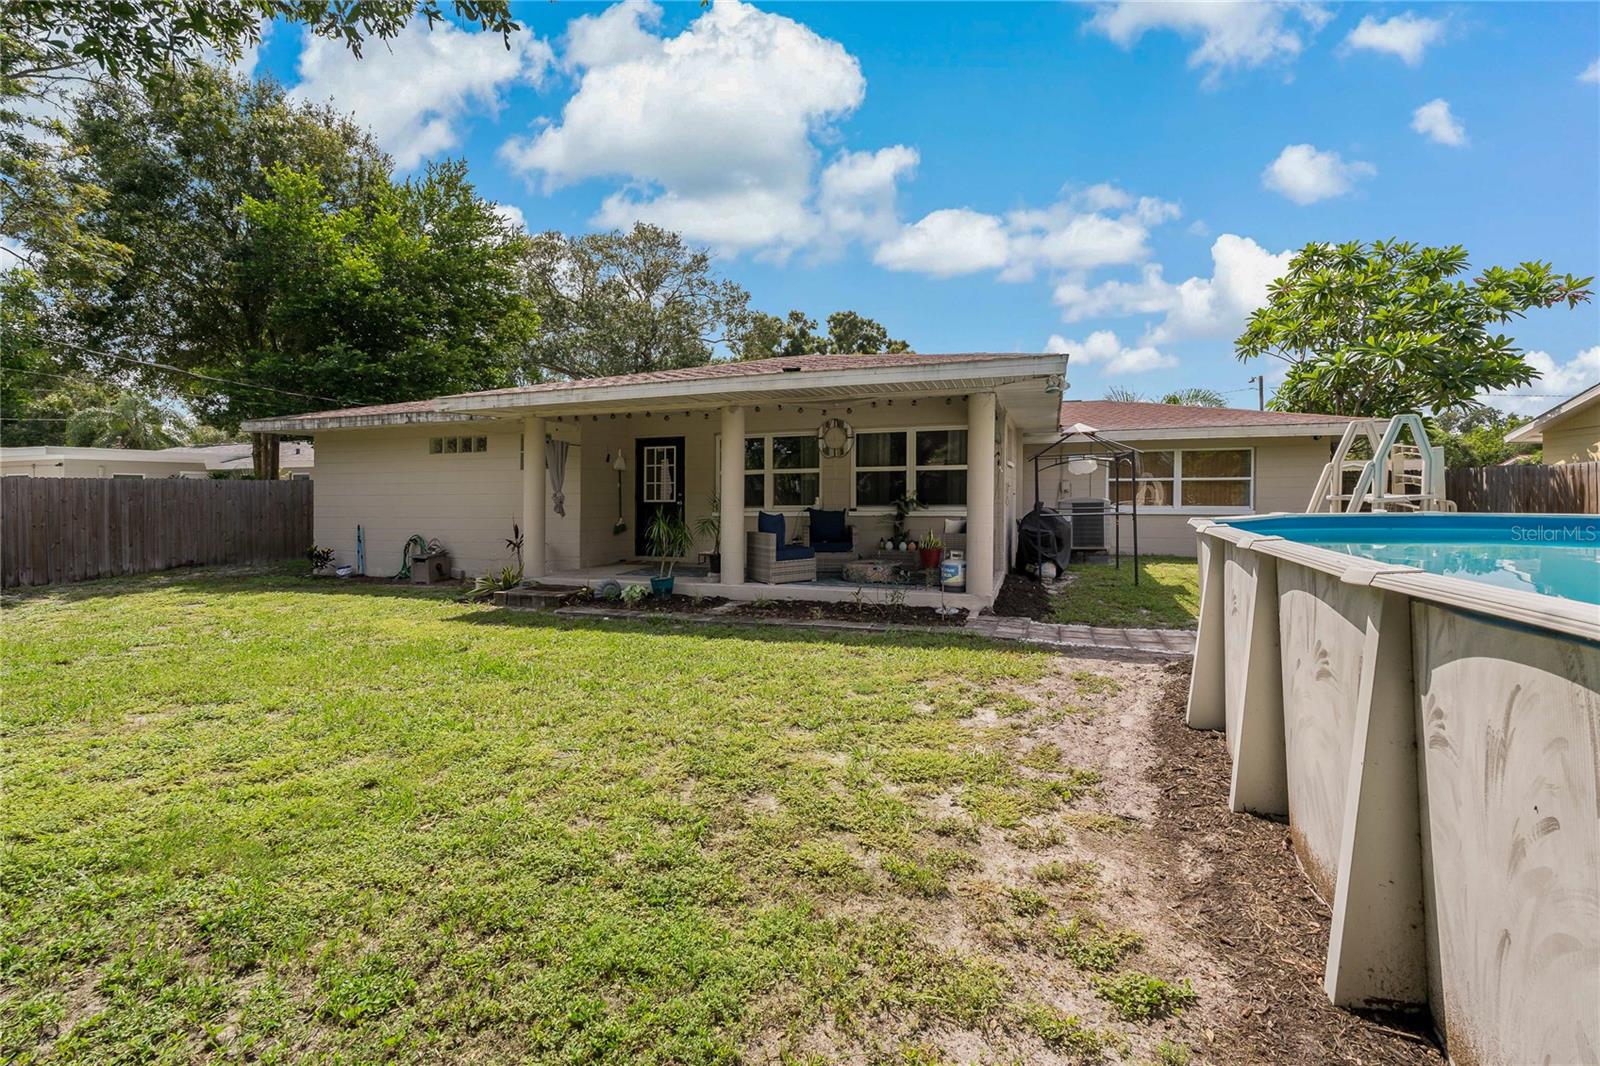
point(633, 595)
point(487, 584)
point(1138, 997)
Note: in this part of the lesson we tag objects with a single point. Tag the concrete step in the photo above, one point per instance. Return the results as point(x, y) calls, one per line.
point(534, 598)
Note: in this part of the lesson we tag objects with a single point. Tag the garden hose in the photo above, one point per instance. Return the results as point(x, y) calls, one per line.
point(405, 555)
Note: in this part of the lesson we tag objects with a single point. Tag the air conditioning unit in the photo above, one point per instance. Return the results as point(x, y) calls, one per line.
point(1089, 524)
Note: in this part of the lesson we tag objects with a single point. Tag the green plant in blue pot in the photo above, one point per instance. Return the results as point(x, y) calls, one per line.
point(669, 539)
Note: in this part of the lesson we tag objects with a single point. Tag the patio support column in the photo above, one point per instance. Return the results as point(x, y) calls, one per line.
point(532, 497)
point(730, 493)
point(980, 494)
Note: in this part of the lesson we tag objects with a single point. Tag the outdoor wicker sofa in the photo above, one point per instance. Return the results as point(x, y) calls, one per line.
point(770, 560)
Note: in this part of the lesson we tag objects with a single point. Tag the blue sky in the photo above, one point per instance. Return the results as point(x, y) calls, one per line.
point(1117, 181)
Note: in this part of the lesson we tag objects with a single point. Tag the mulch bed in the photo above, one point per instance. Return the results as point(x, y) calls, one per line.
point(804, 610)
point(1250, 898)
point(1021, 597)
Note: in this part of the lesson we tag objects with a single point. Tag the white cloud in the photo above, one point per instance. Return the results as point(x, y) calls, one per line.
point(1199, 307)
point(1103, 348)
point(415, 90)
point(512, 215)
point(1079, 232)
point(1406, 36)
point(1305, 175)
point(1231, 34)
point(857, 192)
point(1556, 381)
point(1591, 73)
point(1434, 121)
point(713, 130)
point(946, 243)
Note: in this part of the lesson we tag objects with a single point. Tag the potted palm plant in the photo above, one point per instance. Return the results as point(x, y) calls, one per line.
point(710, 525)
point(669, 538)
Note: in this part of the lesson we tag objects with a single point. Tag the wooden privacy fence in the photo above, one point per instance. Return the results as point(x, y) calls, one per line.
point(1570, 489)
point(56, 530)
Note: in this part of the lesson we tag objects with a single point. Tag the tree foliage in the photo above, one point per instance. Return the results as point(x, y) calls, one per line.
point(849, 333)
point(624, 303)
point(267, 244)
point(1195, 396)
point(1477, 437)
point(1377, 329)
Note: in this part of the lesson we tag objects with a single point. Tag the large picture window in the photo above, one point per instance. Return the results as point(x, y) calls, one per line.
point(1199, 478)
point(781, 471)
point(930, 464)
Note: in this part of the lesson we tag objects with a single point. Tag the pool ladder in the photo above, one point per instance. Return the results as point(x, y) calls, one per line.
point(1397, 477)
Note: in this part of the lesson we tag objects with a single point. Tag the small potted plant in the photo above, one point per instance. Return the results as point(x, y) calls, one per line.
point(669, 538)
point(930, 548)
point(710, 525)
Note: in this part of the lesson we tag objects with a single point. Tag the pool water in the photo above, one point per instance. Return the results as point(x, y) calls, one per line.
point(1553, 555)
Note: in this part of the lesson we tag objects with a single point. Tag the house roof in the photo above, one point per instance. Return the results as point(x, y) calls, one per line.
point(1033, 380)
point(1533, 432)
point(1147, 421)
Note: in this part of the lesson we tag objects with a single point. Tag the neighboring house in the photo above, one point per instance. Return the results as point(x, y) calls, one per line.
point(50, 460)
point(1569, 431)
point(946, 428)
point(1192, 461)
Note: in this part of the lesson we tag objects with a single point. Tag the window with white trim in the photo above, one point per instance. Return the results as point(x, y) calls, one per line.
point(930, 464)
point(782, 471)
point(1195, 478)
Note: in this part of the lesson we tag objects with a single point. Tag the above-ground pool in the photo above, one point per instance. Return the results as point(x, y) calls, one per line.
point(1552, 555)
point(1419, 695)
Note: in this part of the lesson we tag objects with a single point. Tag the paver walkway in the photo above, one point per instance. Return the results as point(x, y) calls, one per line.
point(1166, 642)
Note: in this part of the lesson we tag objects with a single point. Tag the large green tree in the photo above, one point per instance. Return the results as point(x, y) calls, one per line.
point(1377, 329)
point(412, 292)
point(849, 333)
point(623, 303)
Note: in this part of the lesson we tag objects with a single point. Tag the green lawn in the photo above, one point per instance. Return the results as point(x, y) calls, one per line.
point(1097, 594)
point(264, 817)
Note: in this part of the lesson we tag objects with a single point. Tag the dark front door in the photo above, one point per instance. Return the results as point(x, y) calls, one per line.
point(657, 484)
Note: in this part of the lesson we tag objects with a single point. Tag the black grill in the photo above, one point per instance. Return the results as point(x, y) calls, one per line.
point(1043, 536)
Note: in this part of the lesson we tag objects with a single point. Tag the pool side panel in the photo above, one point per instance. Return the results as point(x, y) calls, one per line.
point(1508, 721)
point(1468, 867)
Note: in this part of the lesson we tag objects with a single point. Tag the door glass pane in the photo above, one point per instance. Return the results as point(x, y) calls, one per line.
point(795, 490)
point(794, 453)
point(1214, 493)
point(660, 474)
point(880, 449)
point(879, 488)
point(941, 447)
point(755, 453)
point(1229, 463)
point(755, 490)
point(942, 488)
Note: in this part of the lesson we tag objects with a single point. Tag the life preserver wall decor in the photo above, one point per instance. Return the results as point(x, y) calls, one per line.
point(835, 438)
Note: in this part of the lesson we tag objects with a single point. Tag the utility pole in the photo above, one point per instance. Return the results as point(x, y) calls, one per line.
point(1261, 391)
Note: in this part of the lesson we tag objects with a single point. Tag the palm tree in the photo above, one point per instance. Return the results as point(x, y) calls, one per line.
point(1123, 394)
point(123, 420)
point(1195, 397)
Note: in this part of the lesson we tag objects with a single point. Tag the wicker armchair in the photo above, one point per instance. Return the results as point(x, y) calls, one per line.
point(761, 552)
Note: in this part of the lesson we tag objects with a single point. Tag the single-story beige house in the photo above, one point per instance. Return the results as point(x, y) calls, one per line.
point(50, 460)
point(815, 439)
point(1192, 461)
point(1569, 431)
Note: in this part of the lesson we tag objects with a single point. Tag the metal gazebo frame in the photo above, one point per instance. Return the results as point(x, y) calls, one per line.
point(1113, 456)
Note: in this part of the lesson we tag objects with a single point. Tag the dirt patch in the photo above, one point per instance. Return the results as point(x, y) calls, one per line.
point(1021, 597)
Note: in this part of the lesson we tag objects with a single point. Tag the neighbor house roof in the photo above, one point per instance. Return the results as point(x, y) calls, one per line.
point(1035, 379)
point(1533, 432)
point(1154, 421)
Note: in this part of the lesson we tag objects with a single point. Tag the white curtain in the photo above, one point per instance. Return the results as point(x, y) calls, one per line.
point(555, 460)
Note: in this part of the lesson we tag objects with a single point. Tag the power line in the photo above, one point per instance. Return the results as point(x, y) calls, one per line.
point(169, 368)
